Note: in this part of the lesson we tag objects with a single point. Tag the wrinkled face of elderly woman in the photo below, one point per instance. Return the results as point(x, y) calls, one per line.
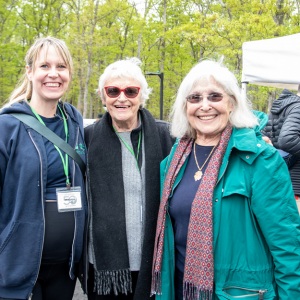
point(123, 100)
point(208, 108)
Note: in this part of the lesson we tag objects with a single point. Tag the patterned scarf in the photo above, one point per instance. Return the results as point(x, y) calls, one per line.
point(199, 261)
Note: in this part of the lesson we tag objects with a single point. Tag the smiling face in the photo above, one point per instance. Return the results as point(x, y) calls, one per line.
point(123, 110)
point(208, 118)
point(50, 77)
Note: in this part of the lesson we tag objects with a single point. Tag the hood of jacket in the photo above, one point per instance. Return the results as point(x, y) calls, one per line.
point(285, 99)
point(23, 107)
point(262, 120)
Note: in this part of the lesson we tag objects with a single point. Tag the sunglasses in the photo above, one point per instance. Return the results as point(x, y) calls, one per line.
point(114, 92)
point(196, 98)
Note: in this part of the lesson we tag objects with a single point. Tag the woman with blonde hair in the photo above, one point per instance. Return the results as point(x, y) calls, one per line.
point(42, 196)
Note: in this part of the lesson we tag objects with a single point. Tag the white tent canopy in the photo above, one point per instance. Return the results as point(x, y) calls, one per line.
point(272, 62)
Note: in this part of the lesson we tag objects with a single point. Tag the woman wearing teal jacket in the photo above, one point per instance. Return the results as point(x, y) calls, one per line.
point(228, 225)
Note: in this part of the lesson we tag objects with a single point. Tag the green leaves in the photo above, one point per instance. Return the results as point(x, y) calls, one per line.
point(169, 36)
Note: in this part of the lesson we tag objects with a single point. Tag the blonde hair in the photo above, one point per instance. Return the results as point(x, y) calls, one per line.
point(23, 90)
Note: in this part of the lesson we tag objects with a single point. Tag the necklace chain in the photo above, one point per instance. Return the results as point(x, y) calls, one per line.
point(198, 174)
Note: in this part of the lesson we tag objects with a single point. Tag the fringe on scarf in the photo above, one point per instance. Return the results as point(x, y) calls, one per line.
point(156, 284)
point(118, 281)
point(191, 292)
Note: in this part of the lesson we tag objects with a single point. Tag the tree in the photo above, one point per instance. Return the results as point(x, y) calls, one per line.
point(169, 36)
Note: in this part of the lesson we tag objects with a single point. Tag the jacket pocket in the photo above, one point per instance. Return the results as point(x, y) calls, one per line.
point(235, 292)
point(20, 251)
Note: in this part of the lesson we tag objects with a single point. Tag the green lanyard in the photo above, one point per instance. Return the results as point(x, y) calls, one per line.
point(130, 148)
point(64, 160)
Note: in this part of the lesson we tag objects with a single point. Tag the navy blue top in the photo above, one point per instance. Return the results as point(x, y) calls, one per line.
point(59, 226)
point(180, 208)
point(55, 175)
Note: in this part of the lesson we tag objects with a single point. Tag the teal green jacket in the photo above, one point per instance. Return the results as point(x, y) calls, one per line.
point(256, 224)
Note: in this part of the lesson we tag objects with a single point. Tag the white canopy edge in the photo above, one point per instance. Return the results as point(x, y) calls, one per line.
point(272, 62)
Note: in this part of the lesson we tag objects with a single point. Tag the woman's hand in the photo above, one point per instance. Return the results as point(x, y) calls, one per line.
point(267, 140)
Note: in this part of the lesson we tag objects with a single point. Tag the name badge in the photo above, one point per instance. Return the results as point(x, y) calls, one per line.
point(69, 199)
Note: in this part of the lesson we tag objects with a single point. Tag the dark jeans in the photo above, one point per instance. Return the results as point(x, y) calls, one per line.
point(93, 295)
point(178, 284)
point(54, 283)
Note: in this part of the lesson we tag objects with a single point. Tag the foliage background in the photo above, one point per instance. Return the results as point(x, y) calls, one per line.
point(169, 36)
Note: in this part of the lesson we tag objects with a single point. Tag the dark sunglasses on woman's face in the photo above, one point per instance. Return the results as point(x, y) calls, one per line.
point(196, 98)
point(114, 91)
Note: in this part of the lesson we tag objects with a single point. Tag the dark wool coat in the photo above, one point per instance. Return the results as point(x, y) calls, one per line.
point(107, 202)
point(285, 131)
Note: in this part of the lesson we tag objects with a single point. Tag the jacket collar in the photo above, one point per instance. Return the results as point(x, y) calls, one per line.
point(245, 141)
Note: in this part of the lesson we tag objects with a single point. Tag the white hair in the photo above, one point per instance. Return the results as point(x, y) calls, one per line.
point(127, 68)
point(241, 115)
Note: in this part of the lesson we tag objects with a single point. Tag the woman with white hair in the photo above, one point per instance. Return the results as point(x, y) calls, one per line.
point(125, 148)
point(228, 225)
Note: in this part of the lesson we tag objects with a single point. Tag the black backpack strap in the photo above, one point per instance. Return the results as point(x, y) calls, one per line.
point(51, 136)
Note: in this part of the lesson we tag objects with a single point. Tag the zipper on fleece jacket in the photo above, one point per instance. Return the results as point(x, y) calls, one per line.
point(42, 200)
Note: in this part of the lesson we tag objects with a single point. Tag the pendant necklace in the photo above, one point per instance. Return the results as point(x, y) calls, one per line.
point(198, 174)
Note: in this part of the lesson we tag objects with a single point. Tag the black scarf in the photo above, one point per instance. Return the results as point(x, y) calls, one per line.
point(106, 196)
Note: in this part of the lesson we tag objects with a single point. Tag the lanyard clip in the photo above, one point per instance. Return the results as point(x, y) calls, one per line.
point(68, 184)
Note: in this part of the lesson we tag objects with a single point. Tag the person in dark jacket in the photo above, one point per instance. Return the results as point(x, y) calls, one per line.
point(284, 133)
point(41, 237)
point(125, 148)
